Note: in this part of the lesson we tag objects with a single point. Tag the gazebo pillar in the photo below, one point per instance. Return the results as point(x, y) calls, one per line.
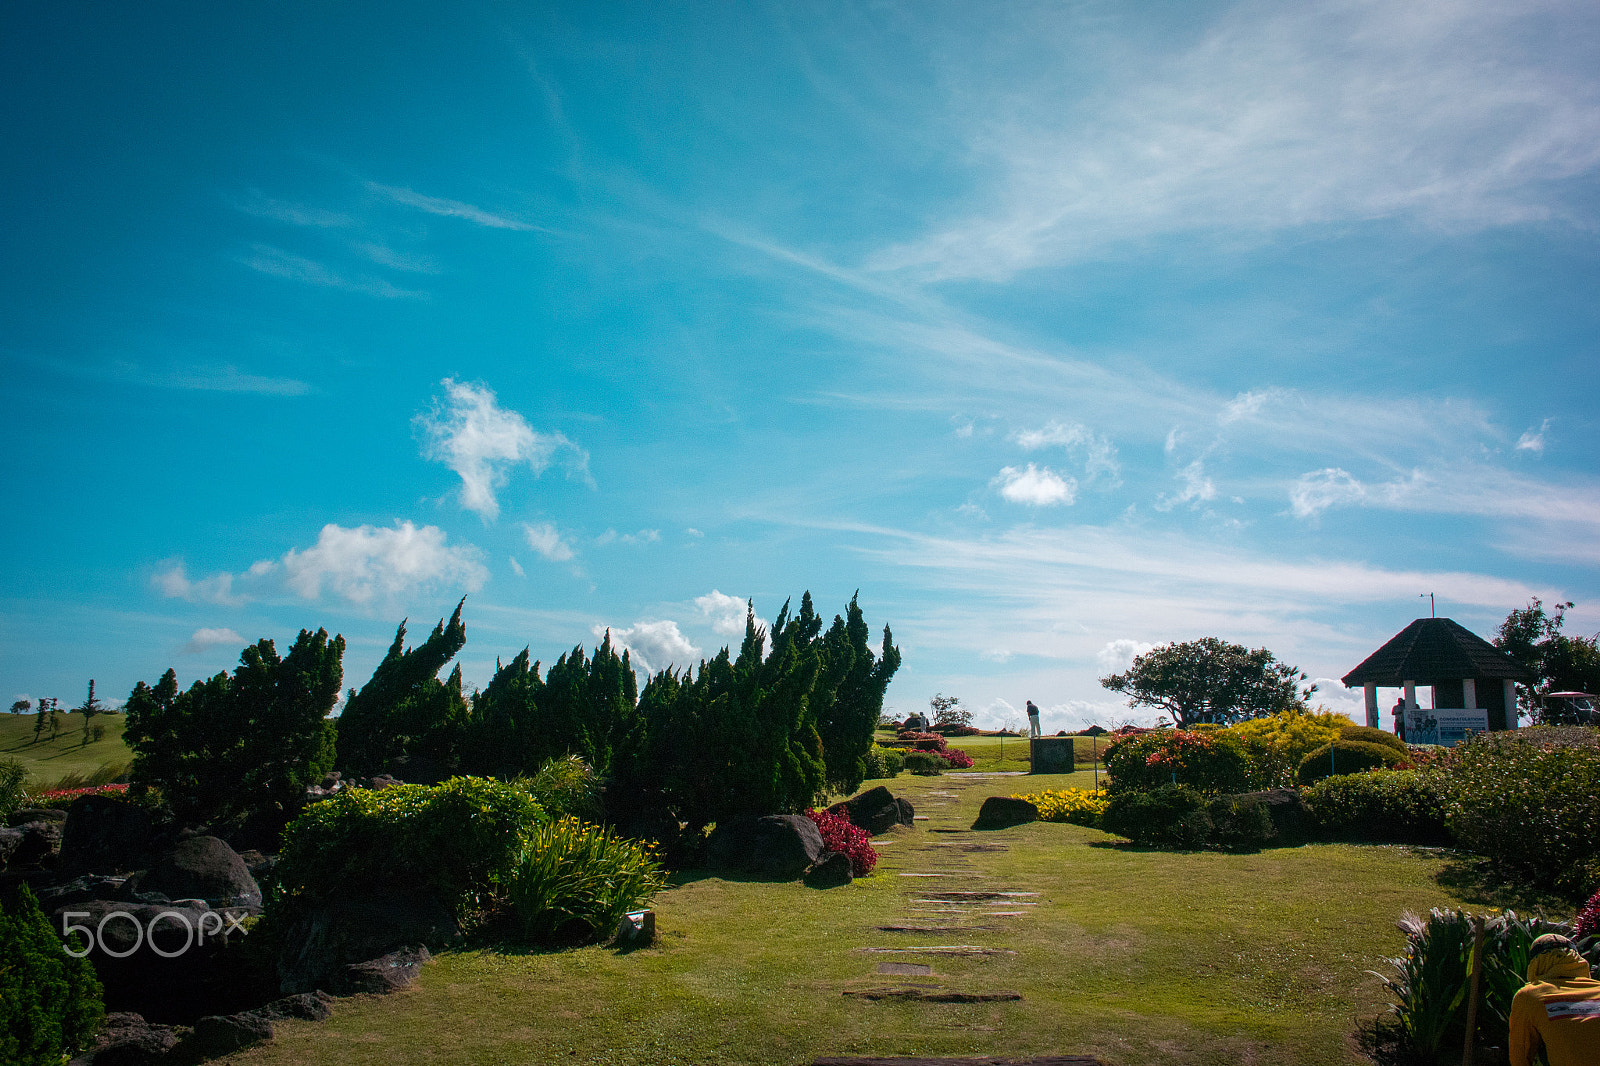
point(1511, 703)
point(1370, 691)
point(1469, 693)
point(1410, 688)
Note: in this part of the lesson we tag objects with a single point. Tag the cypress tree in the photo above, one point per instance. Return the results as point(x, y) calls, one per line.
point(404, 709)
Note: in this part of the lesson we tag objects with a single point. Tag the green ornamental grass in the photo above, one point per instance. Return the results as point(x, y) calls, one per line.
point(577, 880)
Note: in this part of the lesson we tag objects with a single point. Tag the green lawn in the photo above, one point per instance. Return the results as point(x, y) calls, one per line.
point(50, 760)
point(1137, 956)
point(992, 754)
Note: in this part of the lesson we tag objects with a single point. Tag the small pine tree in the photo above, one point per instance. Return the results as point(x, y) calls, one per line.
point(49, 1001)
point(90, 708)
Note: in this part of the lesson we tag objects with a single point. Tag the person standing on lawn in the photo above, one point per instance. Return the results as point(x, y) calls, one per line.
point(1558, 1008)
point(1033, 720)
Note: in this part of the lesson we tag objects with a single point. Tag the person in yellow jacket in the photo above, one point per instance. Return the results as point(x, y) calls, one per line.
point(1559, 1007)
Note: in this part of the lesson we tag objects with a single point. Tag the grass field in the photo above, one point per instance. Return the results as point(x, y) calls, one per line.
point(1133, 955)
point(50, 760)
point(996, 754)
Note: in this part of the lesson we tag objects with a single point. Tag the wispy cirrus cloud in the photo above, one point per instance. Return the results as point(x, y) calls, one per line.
point(481, 441)
point(546, 539)
point(435, 205)
point(276, 262)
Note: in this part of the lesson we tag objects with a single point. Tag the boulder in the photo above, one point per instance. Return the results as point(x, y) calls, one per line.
point(779, 847)
point(831, 871)
point(105, 836)
point(311, 1006)
point(1290, 823)
point(24, 815)
point(383, 975)
point(217, 1035)
point(877, 810)
point(80, 890)
point(202, 867)
point(38, 845)
point(317, 946)
point(126, 1039)
point(1002, 812)
point(10, 840)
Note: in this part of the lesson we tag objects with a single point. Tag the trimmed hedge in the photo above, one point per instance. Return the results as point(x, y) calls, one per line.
point(1391, 806)
point(1374, 736)
point(49, 1001)
point(925, 762)
point(1347, 757)
point(884, 762)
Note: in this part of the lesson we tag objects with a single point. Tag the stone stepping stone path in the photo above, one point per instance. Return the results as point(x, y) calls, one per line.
point(953, 894)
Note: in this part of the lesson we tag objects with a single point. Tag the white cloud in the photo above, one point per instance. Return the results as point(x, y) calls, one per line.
point(1037, 486)
point(206, 639)
point(727, 613)
point(653, 646)
point(1197, 488)
point(1333, 696)
point(174, 583)
point(1319, 490)
point(516, 567)
point(434, 205)
point(1099, 454)
point(545, 539)
point(1457, 116)
point(643, 536)
point(266, 259)
point(1248, 405)
point(1118, 655)
point(480, 441)
point(362, 563)
point(1533, 439)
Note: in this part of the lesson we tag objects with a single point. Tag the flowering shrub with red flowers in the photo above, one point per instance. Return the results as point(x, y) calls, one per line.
point(92, 790)
point(956, 758)
point(923, 741)
point(1589, 918)
point(1210, 762)
point(841, 834)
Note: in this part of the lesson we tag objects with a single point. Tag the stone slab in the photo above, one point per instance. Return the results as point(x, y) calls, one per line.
point(906, 969)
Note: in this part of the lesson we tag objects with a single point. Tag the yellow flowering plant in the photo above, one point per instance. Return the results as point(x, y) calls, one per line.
point(1079, 806)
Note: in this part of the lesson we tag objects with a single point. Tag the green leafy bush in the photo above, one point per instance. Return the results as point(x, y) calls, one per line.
point(925, 762)
point(1533, 811)
point(1237, 825)
point(1347, 757)
point(565, 786)
point(1396, 806)
point(1429, 984)
point(1370, 735)
point(884, 762)
point(460, 839)
point(49, 1001)
point(12, 796)
point(575, 880)
point(1278, 742)
point(1211, 762)
point(1169, 815)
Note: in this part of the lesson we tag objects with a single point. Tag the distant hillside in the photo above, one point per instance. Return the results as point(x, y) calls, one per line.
point(50, 760)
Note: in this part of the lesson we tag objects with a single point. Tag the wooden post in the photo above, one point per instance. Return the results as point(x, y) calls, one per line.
point(1477, 987)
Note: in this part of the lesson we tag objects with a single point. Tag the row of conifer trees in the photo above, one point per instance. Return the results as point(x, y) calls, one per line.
point(761, 731)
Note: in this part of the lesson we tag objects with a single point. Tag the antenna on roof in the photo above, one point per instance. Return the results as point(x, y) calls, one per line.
point(1432, 613)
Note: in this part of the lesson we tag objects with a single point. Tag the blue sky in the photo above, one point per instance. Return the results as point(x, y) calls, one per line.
point(1057, 330)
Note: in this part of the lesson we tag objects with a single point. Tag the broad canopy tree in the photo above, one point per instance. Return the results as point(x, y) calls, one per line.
point(1211, 680)
point(1559, 663)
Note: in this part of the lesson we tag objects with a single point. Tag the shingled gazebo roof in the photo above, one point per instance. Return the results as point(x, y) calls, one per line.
point(1435, 649)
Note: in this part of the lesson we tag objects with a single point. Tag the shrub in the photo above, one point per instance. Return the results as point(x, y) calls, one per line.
point(841, 834)
point(1533, 811)
point(884, 762)
point(1077, 806)
point(957, 730)
point(1347, 757)
point(12, 796)
point(956, 759)
point(1237, 825)
point(460, 839)
point(1589, 917)
point(1397, 806)
point(576, 880)
point(1170, 814)
point(1430, 982)
point(1369, 735)
point(1278, 742)
point(924, 762)
point(923, 741)
point(49, 1001)
point(565, 786)
point(1213, 762)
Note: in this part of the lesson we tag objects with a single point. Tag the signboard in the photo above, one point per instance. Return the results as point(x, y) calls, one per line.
point(1444, 725)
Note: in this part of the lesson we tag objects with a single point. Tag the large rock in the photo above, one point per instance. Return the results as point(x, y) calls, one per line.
point(312, 1006)
point(1290, 822)
point(126, 1039)
point(24, 815)
point(80, 890)
point(10, 840)
point(1002, 812)
point(105, 836)
point(201, 867)
point(317, 947)
point(380, 976)
point(38, 845)
point(877, 810)
point(779, 847)
point(218, 1035)
point(831, 871)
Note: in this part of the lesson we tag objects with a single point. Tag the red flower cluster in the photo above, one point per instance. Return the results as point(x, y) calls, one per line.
point(841, 834)
point(1589, 918)
point(1181, 742)
point(93, 790)
point(924, 741)
point(956, 758)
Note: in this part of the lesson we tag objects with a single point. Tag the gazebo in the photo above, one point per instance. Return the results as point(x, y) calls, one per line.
point(1472, 680)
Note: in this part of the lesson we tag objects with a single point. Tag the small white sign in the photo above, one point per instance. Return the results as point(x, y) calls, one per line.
point(1447, 725)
